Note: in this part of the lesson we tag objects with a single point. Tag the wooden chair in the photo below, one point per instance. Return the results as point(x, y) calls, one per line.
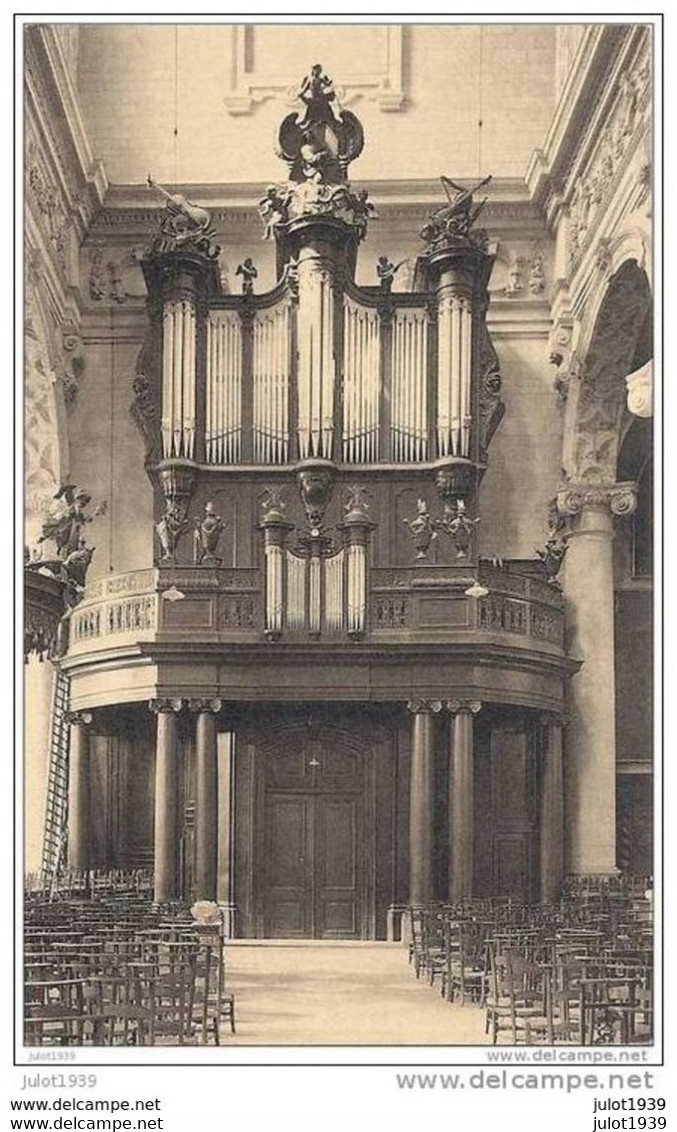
point(54, 1012)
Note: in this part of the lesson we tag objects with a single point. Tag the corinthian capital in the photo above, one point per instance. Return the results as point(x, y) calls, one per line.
point(620, 498)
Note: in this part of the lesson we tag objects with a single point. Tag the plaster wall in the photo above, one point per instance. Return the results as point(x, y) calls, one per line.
point(136, 82)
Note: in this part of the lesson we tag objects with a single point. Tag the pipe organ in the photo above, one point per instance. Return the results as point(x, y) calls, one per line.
point(317, 381)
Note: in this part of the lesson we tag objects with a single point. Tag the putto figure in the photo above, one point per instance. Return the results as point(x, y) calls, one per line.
point(207, 536)
point(67, 517)
point(386, 271)
point(249, 273)
point(170, 529)
point(274, 209)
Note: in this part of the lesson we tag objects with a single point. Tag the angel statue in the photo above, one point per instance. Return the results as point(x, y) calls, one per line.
point(458, 216)
point(183, 222)
point(67, 517)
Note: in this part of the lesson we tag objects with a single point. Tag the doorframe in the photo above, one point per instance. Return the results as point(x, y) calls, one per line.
point(250, 812)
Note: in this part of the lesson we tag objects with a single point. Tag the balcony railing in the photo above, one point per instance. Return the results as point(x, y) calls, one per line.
point(405, 605)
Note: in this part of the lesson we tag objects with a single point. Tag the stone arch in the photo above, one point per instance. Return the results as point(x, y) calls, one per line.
point(45, 434)
point(596, 411)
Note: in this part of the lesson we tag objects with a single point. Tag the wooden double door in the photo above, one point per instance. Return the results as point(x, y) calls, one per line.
point(312, 850)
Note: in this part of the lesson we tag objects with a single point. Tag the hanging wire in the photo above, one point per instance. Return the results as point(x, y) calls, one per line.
point(111, 441)
point(176, 104)
point(480, 101)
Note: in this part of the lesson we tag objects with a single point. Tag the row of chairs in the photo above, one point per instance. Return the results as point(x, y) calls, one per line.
point(123, 972)
point(72, 883)
point(539, 976)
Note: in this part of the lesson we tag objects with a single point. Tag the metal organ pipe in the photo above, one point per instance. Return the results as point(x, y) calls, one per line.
point(357, 587)
point(409, 401)
point(333, 606)
point(274, 588)
point(296, 591)
point(178, 379)
point(271, 373)
point(316, 376)
point(314, 594)
point(466, 375)
point(223, 388)
point(167, 426)
point(361, 383)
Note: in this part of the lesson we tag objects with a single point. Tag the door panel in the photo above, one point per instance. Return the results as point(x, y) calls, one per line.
point(286, 864)
point(311, 868)
point(337, 856)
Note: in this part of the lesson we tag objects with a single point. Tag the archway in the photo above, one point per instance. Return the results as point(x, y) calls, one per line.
point(604, 454)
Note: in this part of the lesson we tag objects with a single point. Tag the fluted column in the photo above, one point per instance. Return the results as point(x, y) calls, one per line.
point(166, 835)
point(552, 810)
point(590, 783)
point(421, 800)
point(79, 796)
point(461, 798)
point(206, 814)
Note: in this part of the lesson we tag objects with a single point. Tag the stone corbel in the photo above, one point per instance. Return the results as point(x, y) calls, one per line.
point(640, 391)
point(563, 359)
point(73, 360)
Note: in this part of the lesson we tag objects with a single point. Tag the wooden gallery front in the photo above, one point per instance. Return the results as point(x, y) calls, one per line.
point(320, 704)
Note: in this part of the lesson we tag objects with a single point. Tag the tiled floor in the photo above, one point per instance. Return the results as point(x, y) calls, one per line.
point(340, 994)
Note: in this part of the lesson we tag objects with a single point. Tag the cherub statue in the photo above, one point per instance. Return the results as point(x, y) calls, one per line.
point(207, 535)
point(551, 556)
point(65, 521)
point(313, 161)
point(170, 529)
point(363, 210)
point(249, 274)
point(387, 271)
point(274, 209)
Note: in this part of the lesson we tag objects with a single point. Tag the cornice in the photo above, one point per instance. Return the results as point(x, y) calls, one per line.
point(585, 101)
point(131, 212)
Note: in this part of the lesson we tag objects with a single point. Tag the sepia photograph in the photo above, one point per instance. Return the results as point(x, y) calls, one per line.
point(338, 544)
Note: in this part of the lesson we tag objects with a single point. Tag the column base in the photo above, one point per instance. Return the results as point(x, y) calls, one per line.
point(395, 922)
point(228, 913)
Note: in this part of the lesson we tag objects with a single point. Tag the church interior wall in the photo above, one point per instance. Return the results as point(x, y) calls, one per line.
point(122, 67)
